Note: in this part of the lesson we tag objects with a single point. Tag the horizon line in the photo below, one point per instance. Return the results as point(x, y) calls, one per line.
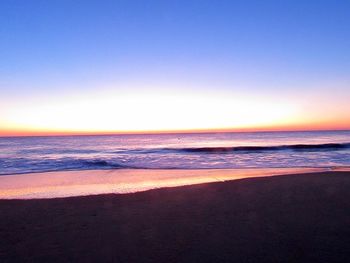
point(63, 134)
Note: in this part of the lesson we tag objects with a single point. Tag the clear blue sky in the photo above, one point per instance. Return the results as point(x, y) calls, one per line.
point(54, 49)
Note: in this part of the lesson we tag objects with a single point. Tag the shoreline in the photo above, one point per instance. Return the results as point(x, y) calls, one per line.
point(61, 184)
point(288, 218)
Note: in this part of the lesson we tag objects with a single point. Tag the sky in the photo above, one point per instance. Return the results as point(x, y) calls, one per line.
point(80, 67)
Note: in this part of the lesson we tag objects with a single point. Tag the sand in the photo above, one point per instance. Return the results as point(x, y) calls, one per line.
point(92, 182)
point(289, 218)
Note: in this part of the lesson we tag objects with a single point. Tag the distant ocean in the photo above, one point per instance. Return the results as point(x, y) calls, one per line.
point(175, 151)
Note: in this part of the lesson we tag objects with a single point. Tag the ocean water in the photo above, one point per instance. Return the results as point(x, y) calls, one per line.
point(175, 151)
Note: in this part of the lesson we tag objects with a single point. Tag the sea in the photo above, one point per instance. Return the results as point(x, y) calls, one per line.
point(313, 149)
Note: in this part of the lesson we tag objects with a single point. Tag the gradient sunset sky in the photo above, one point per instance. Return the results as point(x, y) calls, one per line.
point(135, 66)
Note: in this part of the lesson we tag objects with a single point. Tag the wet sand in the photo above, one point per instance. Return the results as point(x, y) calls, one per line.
point(120, 181)
point(289, 218)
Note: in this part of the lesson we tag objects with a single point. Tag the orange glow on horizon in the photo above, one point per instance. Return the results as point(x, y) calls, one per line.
point(157, 112)
point(305, 127)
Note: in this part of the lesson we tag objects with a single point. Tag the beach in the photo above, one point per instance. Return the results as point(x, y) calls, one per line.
point(286, 218)
point(120, 181)
point(174, 131)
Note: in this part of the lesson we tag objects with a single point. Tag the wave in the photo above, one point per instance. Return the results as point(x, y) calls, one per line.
point(240, 149)
point(294, 147)
point(22, 165)
point(184, 158)
point(100, 163)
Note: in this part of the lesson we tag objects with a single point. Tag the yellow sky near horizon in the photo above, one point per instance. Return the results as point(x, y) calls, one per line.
point(124, 112)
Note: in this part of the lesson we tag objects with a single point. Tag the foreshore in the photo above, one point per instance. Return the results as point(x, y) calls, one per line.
point(120, 181)
point(287, 218)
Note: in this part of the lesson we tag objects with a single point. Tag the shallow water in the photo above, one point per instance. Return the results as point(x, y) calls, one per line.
point(121, 181)
point(175, 151)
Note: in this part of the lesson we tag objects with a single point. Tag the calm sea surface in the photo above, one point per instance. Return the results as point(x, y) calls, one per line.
point(175, 151)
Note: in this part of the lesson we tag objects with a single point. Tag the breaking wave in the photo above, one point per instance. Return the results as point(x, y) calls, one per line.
point(295, 147)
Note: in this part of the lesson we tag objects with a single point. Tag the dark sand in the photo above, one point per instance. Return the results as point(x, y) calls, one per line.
point(291, 218)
